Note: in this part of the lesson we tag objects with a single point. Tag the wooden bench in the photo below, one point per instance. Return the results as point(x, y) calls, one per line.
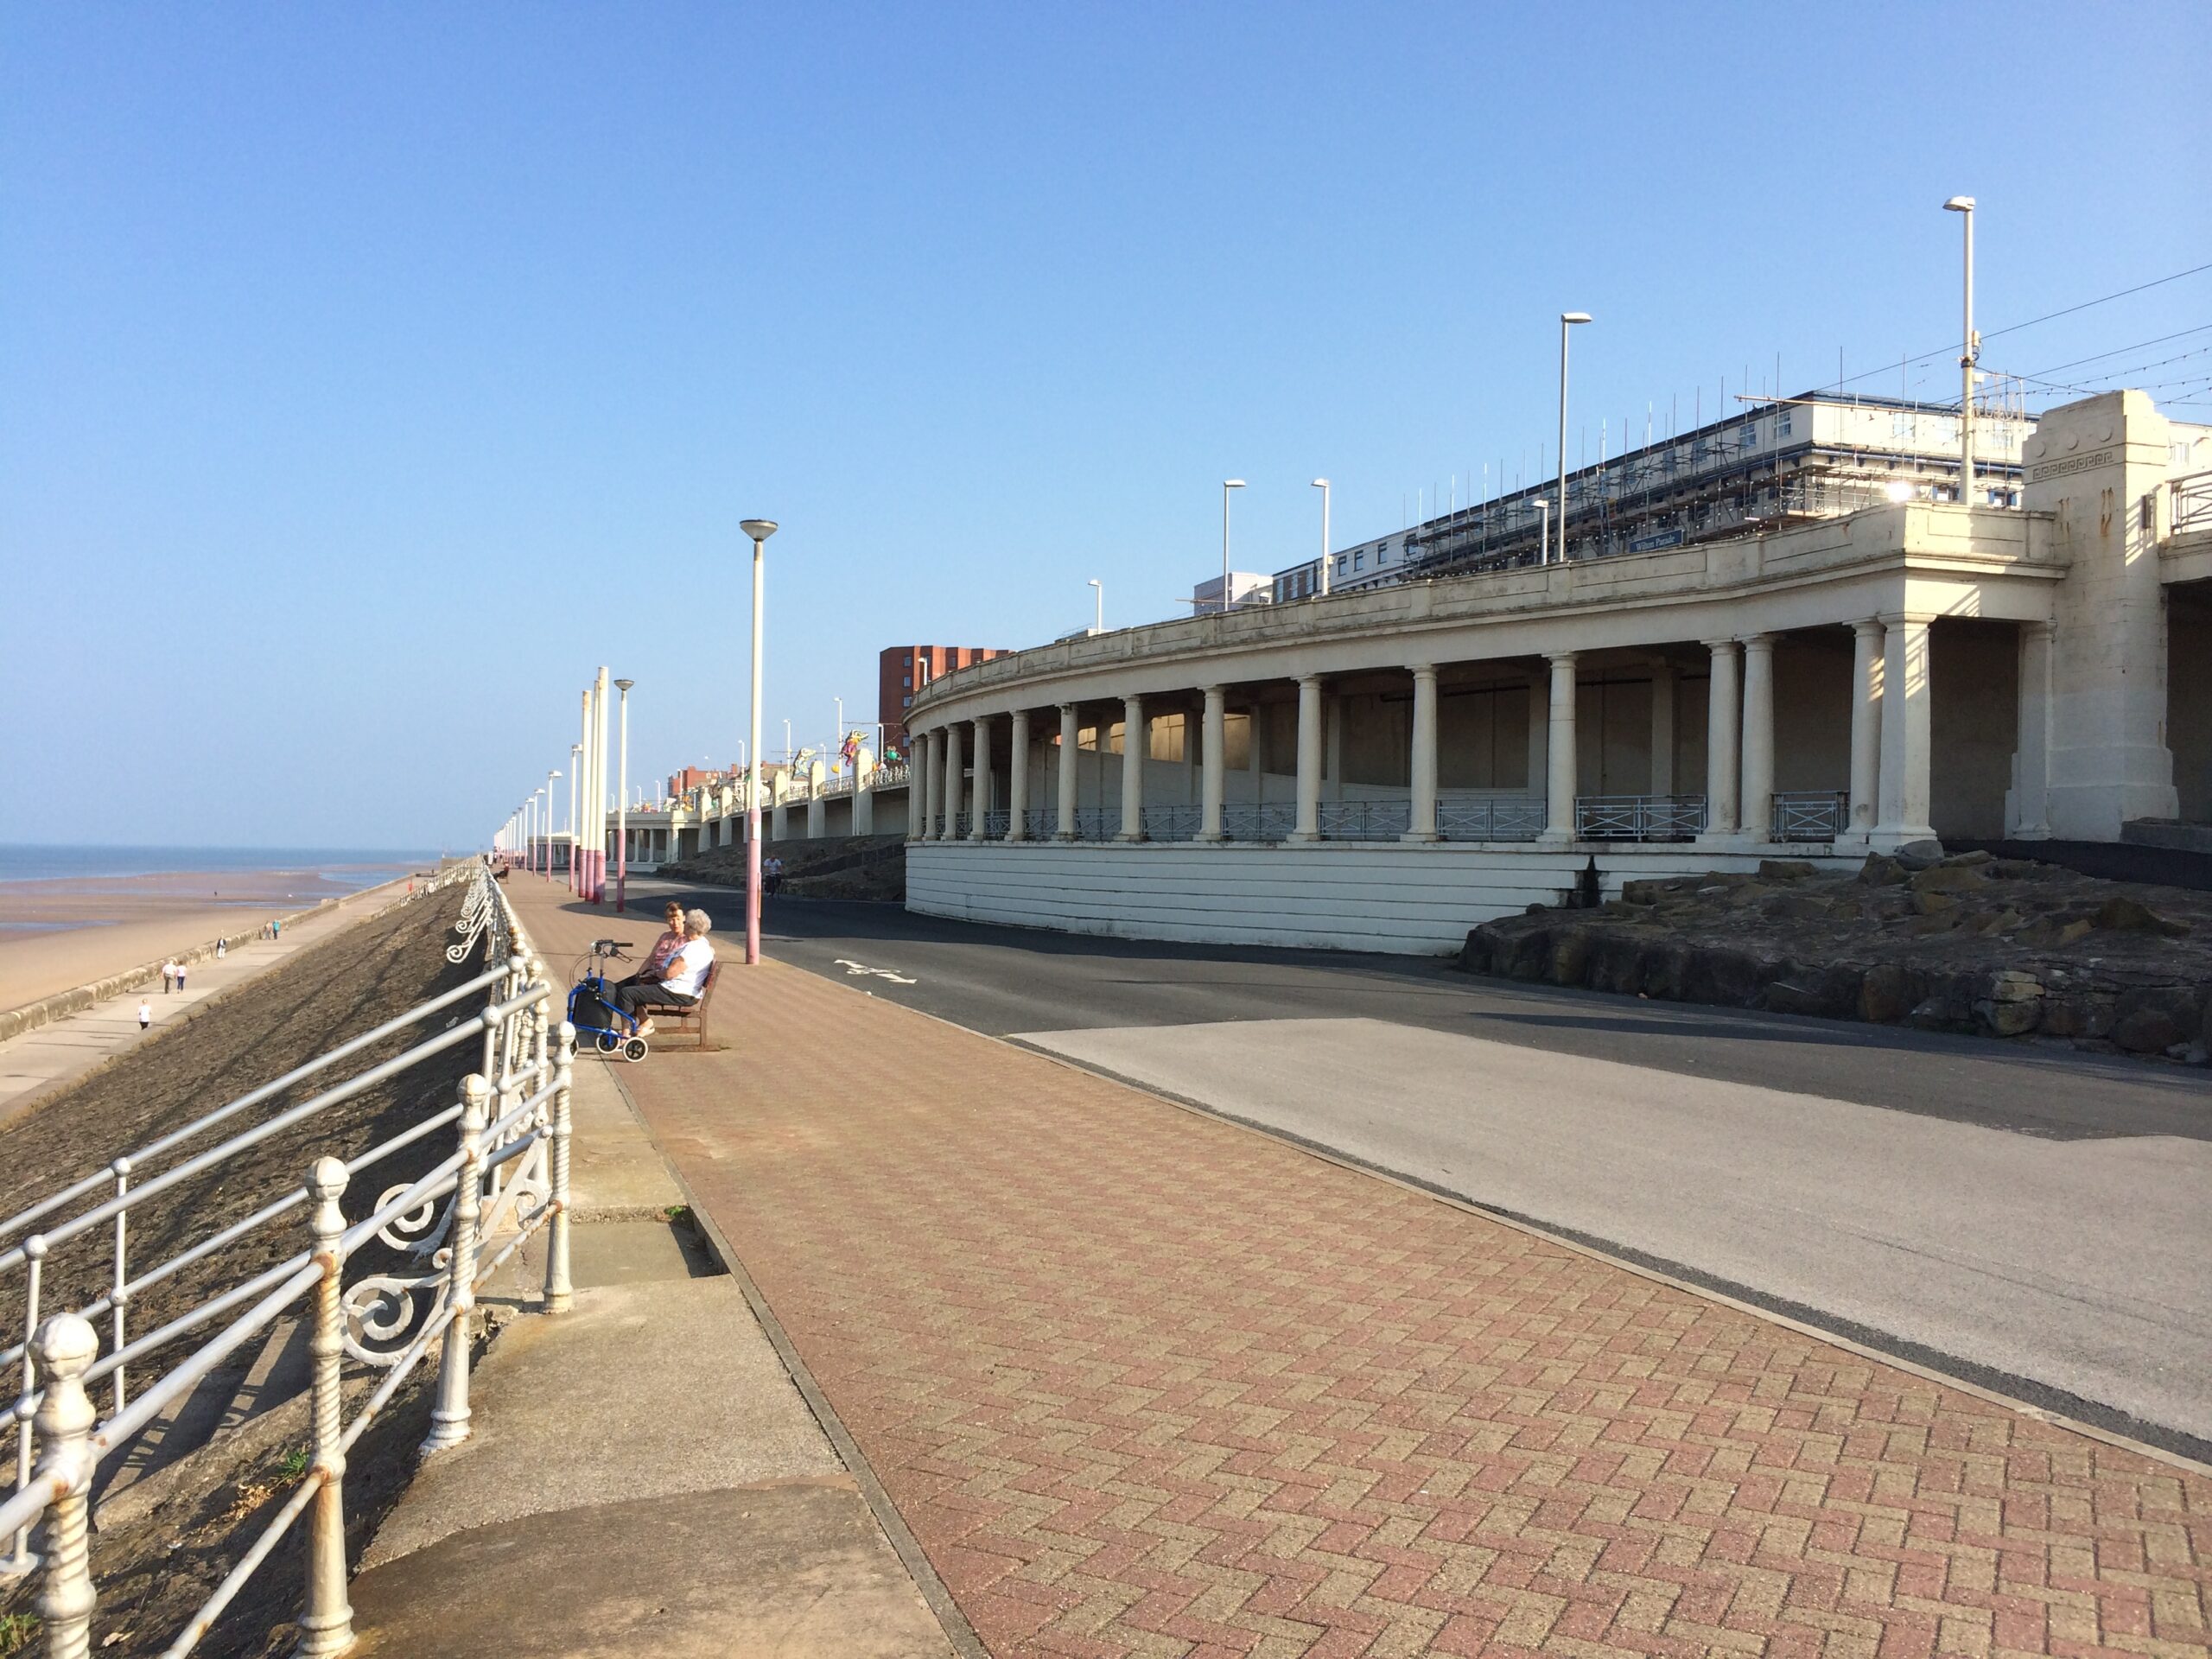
point(676, 1020)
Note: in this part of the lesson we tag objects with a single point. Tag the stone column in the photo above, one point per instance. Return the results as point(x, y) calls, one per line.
point(1906, 696)
point(983, 804)
point(925, 785)
point(2027, 813)
point(1866, 726)
point(1255, 751)
point(1756, 803)
point(1662, 727)
point(1136, 739)
point(955, 785)
point(1723, 723)
point(1422, 764)
point(1560, 762)
point(1064, 828)
point(1213, 781)
point(1017, 780)
point(1309, 758)
point(1540, 732)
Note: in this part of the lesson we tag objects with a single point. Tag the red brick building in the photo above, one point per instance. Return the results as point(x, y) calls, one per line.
point(902, 671)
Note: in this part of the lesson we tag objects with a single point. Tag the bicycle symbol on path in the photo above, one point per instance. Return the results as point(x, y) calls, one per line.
point(854, 970)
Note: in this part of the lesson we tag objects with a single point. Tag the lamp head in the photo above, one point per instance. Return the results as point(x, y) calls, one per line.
point(1958, 205)
point(624, 685)
point(1232, 483)
point(759, 529)
point(1320, 483)
point(1574, 316)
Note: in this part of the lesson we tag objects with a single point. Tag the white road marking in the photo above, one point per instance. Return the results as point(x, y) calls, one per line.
point(853, 970)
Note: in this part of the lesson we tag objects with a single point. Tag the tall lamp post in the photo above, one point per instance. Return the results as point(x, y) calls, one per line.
point(1566, 320)
point(622, 798)
point(1970, 355)
point(546, 819)
point(576, 757)
point(760, 529)
point(598, 740)
point(1227, 485)
point(1098, 593)
point(1322, 485)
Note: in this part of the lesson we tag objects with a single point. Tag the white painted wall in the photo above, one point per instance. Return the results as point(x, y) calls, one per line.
point(1404, 900)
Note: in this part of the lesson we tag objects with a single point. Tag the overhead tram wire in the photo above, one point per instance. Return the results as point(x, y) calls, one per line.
point(1951, 347)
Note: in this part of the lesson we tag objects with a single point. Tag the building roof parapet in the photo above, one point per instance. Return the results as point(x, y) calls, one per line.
point(1926, 537)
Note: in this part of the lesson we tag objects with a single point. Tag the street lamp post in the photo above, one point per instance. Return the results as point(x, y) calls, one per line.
point(575, 758)
point(622, 800)
point(1566, 320)
point(599, 789)
point(1970, 355)
point(760, 529)
point(1543, 531)
point(1227, 485)
point(1322, 485)
point(1098, 593)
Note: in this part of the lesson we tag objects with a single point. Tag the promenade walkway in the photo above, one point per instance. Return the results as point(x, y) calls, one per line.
point(1140, 1382)
point(48, 1056)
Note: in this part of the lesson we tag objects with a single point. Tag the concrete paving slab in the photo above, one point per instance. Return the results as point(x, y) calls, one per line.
point(797, 1569)
point(615, 1173)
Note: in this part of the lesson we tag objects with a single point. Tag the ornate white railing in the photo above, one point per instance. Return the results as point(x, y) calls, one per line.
point(1809, 815)
point(1638, 817)
point(2191, 501)
point(891, 775)
point(451, 1227)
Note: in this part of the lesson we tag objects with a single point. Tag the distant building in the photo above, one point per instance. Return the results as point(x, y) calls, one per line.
point(901, 671)
point(1245, 587)
point(1773, 466)
point(681, 784)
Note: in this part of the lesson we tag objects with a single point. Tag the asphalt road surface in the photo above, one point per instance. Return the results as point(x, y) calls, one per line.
point(2024, 1217)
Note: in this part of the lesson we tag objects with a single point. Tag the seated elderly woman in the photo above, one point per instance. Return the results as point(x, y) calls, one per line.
point(681, 976)
point(656, 961)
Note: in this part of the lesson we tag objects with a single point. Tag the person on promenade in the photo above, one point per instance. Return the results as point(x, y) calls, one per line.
point(180, 976)
point(681, 979)
point(168, 975)
point(145, 1013)
point(222, 949)
point(651, 970)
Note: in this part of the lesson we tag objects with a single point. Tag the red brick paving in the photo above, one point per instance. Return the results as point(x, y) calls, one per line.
point(1144, 1384)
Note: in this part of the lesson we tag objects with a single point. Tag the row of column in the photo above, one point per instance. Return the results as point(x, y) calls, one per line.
point(1890, 748)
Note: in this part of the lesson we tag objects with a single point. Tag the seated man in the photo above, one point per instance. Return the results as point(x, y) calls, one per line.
point(680, 980)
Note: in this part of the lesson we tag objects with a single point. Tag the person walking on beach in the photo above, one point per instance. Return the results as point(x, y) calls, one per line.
point(222, 949)
point(145, 1013)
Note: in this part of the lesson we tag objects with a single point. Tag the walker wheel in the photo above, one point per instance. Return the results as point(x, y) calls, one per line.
point(635, 1050)
point(608, 1042)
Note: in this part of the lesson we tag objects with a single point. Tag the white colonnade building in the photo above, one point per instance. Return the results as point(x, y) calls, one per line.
point(1383, 770)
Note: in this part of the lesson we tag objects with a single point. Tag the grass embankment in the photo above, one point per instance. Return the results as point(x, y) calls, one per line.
point(836, 866)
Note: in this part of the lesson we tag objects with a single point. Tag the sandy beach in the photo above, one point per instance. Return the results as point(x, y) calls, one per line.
point(55, 935)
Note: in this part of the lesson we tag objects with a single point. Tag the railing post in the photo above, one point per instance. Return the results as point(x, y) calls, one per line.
point(119, 1296)
point(66, 1345)
point(559, 1292)
point(35, 1260)
point(328, 1624)
point(449, 1421)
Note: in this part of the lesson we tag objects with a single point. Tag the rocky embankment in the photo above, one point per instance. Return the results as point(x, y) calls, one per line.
point(841, 866)
point(1997, 947)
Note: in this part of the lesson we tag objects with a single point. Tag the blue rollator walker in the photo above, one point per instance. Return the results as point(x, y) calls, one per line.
point(592, 1010)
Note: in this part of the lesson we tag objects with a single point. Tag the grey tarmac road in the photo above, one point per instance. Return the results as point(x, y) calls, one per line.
point(2024, 1217)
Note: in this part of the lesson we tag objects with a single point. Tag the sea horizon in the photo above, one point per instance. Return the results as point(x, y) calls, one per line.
point(346, 867)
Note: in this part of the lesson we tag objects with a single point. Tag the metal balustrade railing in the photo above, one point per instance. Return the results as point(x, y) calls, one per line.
point(1173, 822)
point(1638, 817)
point(1041, 823)
point(1098, 823)
point(2191, 502)
point(448, 1229)
point(1502, 819)
point(1365, 820)
point(958, 829)
point(891, 775)
point(994, 826)
point(1261, 821)
point(1809, 815)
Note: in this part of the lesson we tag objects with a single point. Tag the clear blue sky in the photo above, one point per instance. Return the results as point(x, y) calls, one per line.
point(374, 373)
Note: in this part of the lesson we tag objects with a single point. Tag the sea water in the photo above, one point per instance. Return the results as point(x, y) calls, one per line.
point(343, 869)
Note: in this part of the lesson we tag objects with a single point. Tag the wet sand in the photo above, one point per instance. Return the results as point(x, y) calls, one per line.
point(57, 935)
